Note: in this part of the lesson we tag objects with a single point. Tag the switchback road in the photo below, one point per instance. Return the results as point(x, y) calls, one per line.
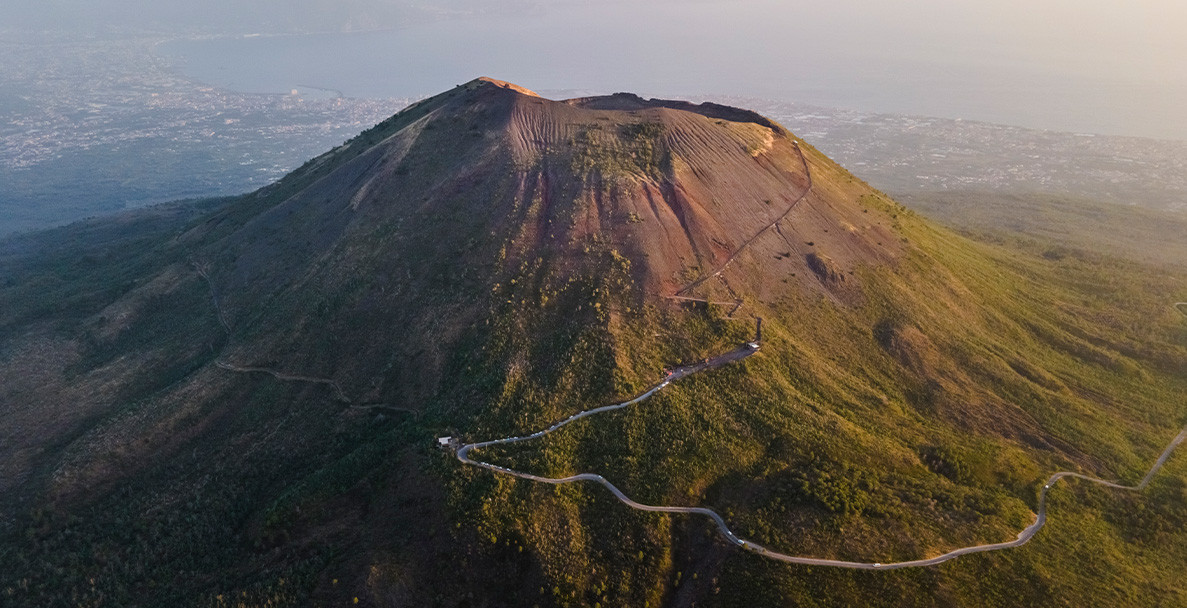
point(463, 454)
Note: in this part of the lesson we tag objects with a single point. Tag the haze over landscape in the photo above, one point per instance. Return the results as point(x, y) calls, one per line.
point(91, 86)
point(995, 62)
point(1096, 66)
point(692, 303)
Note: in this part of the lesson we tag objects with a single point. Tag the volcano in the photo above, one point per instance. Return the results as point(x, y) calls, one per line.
point(240, 400)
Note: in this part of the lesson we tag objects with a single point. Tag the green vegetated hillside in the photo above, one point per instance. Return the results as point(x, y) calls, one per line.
point(1145, 235)
point(486, 263)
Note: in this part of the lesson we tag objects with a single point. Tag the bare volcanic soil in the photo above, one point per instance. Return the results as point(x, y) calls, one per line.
point(677, 188)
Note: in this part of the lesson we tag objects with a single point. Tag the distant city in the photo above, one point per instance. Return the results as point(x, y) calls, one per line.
point(907, 154)
point(97, 124)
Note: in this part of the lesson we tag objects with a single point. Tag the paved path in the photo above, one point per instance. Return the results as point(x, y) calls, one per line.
point(463, 454)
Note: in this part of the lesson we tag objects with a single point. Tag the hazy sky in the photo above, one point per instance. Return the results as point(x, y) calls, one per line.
point(1094, 57)
point(1142, 39)
point(1147, 37)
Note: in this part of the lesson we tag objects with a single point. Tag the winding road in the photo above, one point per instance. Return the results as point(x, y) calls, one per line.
point(463, 454)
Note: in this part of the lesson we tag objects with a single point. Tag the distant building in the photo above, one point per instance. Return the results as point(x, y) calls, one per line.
point(444, 442)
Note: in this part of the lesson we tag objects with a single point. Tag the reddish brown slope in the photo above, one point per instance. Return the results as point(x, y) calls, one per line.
point(692, 184)
point(679, 188)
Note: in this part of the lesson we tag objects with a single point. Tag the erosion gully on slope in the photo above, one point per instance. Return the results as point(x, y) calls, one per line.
point(733, 255)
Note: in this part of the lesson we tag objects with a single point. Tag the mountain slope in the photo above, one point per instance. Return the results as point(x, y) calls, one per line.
point(241, 401)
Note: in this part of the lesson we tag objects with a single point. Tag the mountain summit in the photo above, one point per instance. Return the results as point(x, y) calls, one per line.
point(417, 220)
point(240, 401)
point(679, 188)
